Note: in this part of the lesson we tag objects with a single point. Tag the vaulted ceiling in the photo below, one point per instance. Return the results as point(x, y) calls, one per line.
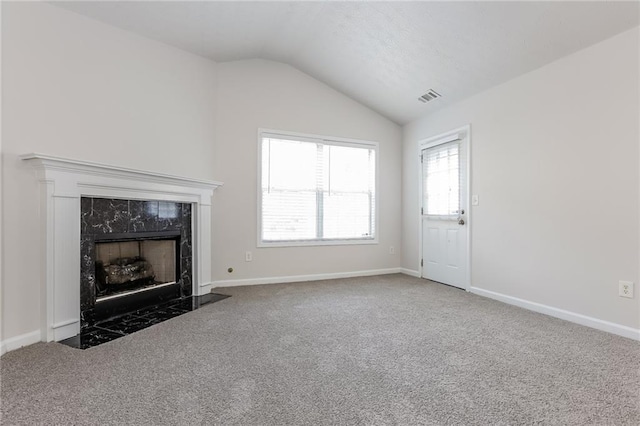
point(382, 54)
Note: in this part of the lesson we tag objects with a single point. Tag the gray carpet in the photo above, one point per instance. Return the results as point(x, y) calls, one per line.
point(372, 351)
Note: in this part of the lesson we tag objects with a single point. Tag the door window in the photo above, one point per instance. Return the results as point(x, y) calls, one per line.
point(441, 180)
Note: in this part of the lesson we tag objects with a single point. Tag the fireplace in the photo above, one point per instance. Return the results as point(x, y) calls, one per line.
point(133, 252)
point(129, 266)
point(137, 201)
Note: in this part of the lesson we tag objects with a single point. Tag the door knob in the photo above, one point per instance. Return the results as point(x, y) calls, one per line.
point(461, 222)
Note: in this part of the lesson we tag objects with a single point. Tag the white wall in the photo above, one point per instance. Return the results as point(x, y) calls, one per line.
point(76, 88)
point(1, 185)
point(555, 162)
point(258, 93)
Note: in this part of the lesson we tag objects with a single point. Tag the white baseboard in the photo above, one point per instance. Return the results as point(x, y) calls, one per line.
point(17, 342)
point(204, 288)
point(301, 278)
point(410, 272)
point(610, 327)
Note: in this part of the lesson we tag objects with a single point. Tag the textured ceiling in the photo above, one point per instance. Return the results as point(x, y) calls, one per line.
point(382, 54)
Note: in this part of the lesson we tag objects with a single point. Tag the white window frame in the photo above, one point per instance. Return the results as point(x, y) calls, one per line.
point(332, 140)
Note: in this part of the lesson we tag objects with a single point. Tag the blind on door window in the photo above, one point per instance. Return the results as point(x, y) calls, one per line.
point(314, 190)
point(441, 179)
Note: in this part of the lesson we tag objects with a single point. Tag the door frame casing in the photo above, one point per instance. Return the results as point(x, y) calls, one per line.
point(430, 142)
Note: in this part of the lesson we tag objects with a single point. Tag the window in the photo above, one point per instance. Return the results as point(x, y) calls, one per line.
point(441, 184)
point(316, 191)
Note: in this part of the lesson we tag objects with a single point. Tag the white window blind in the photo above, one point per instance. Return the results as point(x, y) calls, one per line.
point(441, 179)
point(316, 190)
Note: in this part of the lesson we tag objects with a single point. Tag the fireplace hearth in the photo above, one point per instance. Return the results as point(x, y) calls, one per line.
point(129, 322)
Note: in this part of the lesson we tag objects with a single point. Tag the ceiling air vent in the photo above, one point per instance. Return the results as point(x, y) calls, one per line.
point(429, 96)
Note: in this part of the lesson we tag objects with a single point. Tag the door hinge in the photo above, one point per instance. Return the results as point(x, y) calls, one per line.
point(421, 210)
point(421, 262)
point(422, 158)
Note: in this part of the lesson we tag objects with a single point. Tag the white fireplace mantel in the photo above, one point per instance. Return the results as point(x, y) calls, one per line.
point(63, 182)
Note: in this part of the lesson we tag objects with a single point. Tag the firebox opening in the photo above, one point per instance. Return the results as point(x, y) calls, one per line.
point(132, 266)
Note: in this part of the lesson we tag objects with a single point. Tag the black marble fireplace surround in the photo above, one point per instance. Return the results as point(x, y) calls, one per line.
point(122, 220)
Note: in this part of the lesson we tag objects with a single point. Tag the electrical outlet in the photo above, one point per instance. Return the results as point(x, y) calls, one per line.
point(625, 289)
point(392, 250)
point(248, 257)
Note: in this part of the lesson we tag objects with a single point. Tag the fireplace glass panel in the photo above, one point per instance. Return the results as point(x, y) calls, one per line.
point(124, 267)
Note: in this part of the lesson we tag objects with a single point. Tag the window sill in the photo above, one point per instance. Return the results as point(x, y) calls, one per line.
point(267, 244)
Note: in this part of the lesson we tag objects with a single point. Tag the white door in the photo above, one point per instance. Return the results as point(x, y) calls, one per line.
point(445, 212)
